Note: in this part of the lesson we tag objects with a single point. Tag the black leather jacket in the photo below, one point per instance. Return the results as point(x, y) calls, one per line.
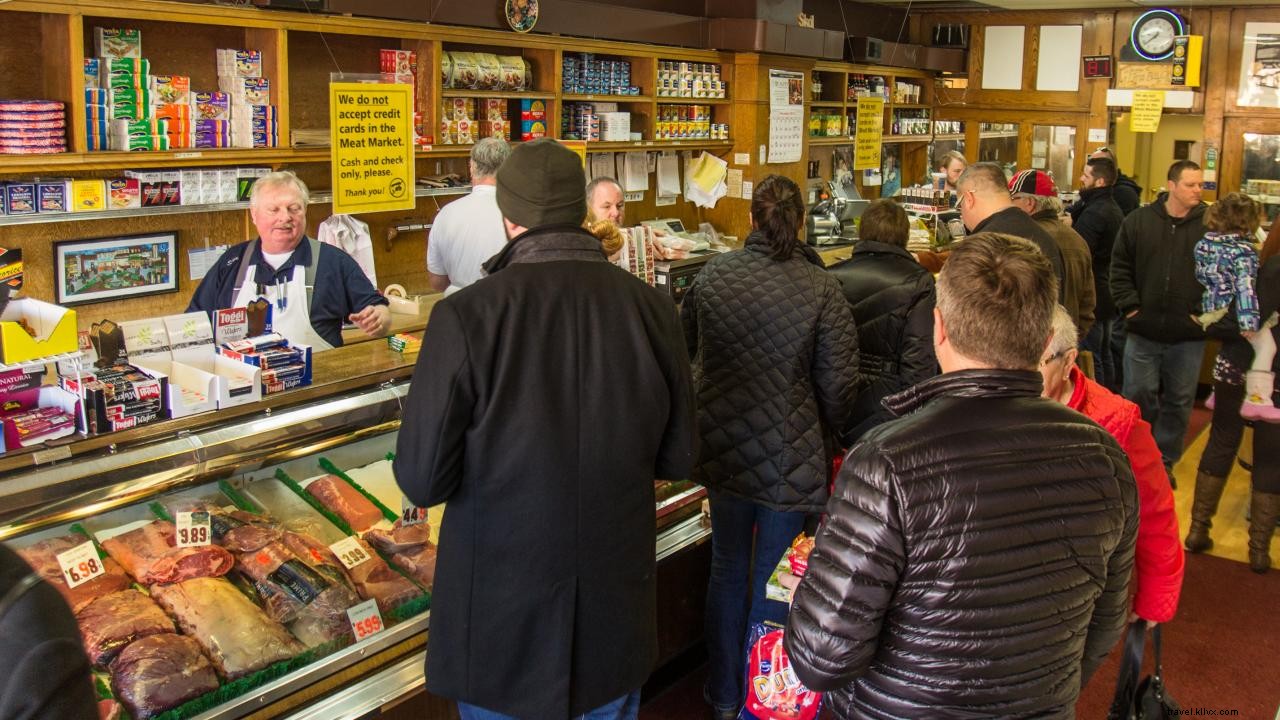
point(892, 298)
point(775, 366)
point(975, 558)
point(1097, 218)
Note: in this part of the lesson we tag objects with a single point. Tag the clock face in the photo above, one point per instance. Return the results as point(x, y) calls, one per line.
point(1155, 37)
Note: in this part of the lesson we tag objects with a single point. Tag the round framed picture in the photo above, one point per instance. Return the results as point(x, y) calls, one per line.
point(522, 15)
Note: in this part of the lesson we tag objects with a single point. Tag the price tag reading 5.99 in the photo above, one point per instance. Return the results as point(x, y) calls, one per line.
point(80, 564)
point(365, 619)
point(350, 552)
point(192, 529)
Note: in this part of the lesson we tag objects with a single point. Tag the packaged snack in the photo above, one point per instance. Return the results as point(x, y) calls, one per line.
point(446, 70)
point(171, 89)
point(773, 692)
point(212, 106)
point(123, 193)
point(92, 70)
point(512, 72)
point(88, 195)
point(533, 110)
point(20, 198)
point(239, 63)
point(466, 71)
point(52, 195)
point(399, 61)
point(118, 42)
point(798, 555)
point(490, 71)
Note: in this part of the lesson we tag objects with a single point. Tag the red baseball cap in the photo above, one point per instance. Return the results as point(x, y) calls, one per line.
point(1032, 182)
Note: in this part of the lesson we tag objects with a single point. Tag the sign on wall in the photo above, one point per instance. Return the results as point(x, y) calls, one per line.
point(868, 133)
point(371, 126)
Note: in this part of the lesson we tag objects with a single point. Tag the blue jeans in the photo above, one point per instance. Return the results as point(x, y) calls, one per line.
point(626, 707)
point(1161, 379)
point(747, 541)
point(1100, 342)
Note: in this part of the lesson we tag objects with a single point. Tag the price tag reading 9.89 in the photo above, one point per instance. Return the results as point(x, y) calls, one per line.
point(365, 619)
point(80, 564)
point(350, 552)
point(192, 528)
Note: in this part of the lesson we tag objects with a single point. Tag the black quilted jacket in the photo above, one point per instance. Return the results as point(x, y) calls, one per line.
point(892, 298)
point(975, 559)
point(775, 364)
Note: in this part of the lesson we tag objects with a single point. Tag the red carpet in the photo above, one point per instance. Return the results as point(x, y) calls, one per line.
point(1222, 651)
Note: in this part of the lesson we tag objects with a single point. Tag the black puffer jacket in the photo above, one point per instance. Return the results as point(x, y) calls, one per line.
point(892, 298)
point(1153, 271)
point(1097, 218)
point(1128, 195)
point(975, 558)
point(775, 364)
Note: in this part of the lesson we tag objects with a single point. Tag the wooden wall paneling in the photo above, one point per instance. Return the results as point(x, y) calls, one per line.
point(428, 83)
point(62, 71)
point(750, 101)
point(25, 46)
point(1231, 162)
point(274, 45)
point(1215, 76)
point(312, 58)
point(1104, 29)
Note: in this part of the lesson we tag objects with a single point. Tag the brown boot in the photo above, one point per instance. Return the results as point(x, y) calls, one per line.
point(1262, 523)
point(1208, 492)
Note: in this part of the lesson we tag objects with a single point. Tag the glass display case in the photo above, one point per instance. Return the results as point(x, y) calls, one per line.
point(998, 143)
point(1261, 163)
point(264, 469)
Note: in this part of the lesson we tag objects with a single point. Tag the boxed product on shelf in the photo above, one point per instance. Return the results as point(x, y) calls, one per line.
point(120, 396)
point(533, 110)
point(239, 63)
point(615, 126)
point(171, 187)
point(118, 42)
point(399, 61)
point(53, 195)
point(20, 198)
point(211, 106)
point(123, 194)
point(88, 195)
point(125, 80)
point(284, 365)
point(495, 128)
point(152, 350)
point(33, 412)
point(31, 329)
point(246, 90)
point(92, 72)
point(32, 127)
point(492, 109)
point(150, 186)
point(171, 89)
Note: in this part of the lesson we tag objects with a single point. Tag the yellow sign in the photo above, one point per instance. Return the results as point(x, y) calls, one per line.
point(579, 147)
point(1147, 107)
point(869, 132)
point(372, 135)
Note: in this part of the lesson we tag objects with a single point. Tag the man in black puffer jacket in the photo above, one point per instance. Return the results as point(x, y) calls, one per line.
point(977, 550)
point(1128, 194)
point(892, 298)
point(1097, 218)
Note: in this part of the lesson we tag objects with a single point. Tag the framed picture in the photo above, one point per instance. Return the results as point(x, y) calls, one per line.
point(114, 268)
point(1260, 66)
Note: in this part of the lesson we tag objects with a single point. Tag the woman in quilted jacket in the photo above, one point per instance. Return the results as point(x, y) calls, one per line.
point(775, 364)
point(1158, 559)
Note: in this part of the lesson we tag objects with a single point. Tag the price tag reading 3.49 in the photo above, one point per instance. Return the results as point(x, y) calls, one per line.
point(349, 551)
point(192, 529)
point(365, 619)
point(80, 564)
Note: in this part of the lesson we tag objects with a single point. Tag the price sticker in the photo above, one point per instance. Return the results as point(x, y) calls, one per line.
point(80, 564)
point(350, 552)
point(411, 514)
point(193, 529)
point(365, 619)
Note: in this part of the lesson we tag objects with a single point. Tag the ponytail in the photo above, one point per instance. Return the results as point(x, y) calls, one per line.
point(778, 213)
point(609, 235)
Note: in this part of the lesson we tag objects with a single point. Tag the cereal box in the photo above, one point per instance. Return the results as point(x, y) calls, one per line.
point(118, 42)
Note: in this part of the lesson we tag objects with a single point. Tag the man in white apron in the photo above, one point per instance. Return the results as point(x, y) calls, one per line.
point(312, 288)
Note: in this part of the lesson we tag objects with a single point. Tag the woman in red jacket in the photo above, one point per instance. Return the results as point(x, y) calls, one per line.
point(1158, 560)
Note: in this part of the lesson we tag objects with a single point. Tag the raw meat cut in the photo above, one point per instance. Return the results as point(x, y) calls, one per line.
point(150, 554)
point(375, 579)
point(312, 606)
point(113, 621)
point(346, 502)
point(158, 672)
point(409, 548)
point(236, 634)
point(108, 710)
point(243, 532)
point(419, 562)
point(43, 558)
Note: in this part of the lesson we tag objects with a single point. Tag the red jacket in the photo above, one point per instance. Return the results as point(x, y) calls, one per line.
point(1158, 562)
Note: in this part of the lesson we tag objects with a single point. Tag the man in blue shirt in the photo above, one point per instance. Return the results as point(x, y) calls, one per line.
point(313, 288)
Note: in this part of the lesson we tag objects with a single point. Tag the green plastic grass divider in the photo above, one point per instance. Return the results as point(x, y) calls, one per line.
point(238, 498)
point(332, 469)
point(160, 511)
point(310, 499)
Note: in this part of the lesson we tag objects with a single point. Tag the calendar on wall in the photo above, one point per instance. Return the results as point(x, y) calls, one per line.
point(786, 116)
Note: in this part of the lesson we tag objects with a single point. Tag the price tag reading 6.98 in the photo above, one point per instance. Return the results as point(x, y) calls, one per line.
point(80, 564)
point(365, 619)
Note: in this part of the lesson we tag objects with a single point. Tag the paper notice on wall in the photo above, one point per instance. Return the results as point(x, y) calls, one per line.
point(635, 177)
point(668, 175)
point(202, 260)
point(868, 133)
point(786, 89)
point(748, 189)
point(733, 179)
point(1097, 135)
point(601, 165)
point(1148, 105)
point(704, 180)
point(786, 134)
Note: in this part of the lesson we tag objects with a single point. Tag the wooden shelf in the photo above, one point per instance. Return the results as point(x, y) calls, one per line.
point(118, 160)
point(906, 138)
point(691, 101)
point(659, 145)
point(827, 104)
point(607, 98)
point(829, 140)
point(949, 136)
point(911, 106)
point(1009, 134)
point(498, 94)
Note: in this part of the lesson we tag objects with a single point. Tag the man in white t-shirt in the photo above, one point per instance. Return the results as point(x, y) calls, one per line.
point(469, 230)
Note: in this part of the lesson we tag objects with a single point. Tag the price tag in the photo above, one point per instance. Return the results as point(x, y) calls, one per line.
point(365, 619)
point(80, 564)
point(349, 551)
point(411, 514)
point(193, 529)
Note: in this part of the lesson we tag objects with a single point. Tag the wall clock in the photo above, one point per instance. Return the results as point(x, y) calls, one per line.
point(1153, 32)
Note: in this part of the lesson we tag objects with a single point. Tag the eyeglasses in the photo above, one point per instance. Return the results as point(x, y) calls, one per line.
point(1056, 356)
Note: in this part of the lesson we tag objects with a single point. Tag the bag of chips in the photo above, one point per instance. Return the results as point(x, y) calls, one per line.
point(773, 690)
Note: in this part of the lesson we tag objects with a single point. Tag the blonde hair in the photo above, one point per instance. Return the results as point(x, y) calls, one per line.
point(608, 233)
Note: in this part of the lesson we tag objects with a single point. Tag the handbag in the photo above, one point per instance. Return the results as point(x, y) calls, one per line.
point(1146, 700)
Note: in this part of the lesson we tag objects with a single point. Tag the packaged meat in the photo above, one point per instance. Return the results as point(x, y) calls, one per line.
point(345, 501)
point(236, 634)
point(111, 622)
point(108, 710)
point(159, 672)
point(419, 562)
point(150, 554)
point(409, 548)
point(376, 580)
point(43, 558)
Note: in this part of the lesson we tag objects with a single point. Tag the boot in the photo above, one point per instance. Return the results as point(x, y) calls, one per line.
point(1208, 492)
point(1262, 523)
point(1259, 384)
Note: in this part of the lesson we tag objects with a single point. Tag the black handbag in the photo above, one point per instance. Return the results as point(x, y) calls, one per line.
point(1146, 700)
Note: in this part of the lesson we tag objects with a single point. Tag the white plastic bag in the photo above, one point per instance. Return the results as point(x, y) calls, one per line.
point(352, 237)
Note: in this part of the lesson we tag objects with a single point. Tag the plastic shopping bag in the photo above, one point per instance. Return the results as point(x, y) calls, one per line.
point(773, 690)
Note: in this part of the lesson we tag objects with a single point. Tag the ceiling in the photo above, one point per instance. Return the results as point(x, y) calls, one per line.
point(970, 5)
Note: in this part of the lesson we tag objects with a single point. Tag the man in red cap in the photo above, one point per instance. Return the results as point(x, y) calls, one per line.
point(1033, 192)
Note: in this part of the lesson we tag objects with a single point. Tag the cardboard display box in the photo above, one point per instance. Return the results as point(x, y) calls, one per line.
point(22, 392)
point(248, 351)
point(54, 327)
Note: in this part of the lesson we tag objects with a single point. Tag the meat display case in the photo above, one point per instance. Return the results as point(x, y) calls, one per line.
point(351, 422)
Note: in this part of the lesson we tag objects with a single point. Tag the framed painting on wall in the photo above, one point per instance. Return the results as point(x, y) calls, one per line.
point(114, 268)
point(1260, 66)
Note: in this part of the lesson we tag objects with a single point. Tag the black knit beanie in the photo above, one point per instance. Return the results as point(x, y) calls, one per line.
point(542, 183)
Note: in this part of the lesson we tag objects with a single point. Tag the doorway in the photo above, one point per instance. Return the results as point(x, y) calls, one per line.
point(1146, 157)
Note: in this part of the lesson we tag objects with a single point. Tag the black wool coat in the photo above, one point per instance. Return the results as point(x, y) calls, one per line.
point(546, 400)
point(776, 369)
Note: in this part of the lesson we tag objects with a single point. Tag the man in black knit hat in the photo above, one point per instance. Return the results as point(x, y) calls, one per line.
point(545, 402)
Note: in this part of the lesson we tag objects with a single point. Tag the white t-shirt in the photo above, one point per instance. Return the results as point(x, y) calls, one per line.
point(465, 233)
point(275, 260)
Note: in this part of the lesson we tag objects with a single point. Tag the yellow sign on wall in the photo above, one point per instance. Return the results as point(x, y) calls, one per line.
point(1147, 108)
point(868, 133)
point(371, 127)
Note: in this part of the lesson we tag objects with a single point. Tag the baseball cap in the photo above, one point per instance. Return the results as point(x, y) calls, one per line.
point(1032, 182)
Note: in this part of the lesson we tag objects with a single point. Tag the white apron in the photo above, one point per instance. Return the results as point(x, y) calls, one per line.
point(290, 311)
